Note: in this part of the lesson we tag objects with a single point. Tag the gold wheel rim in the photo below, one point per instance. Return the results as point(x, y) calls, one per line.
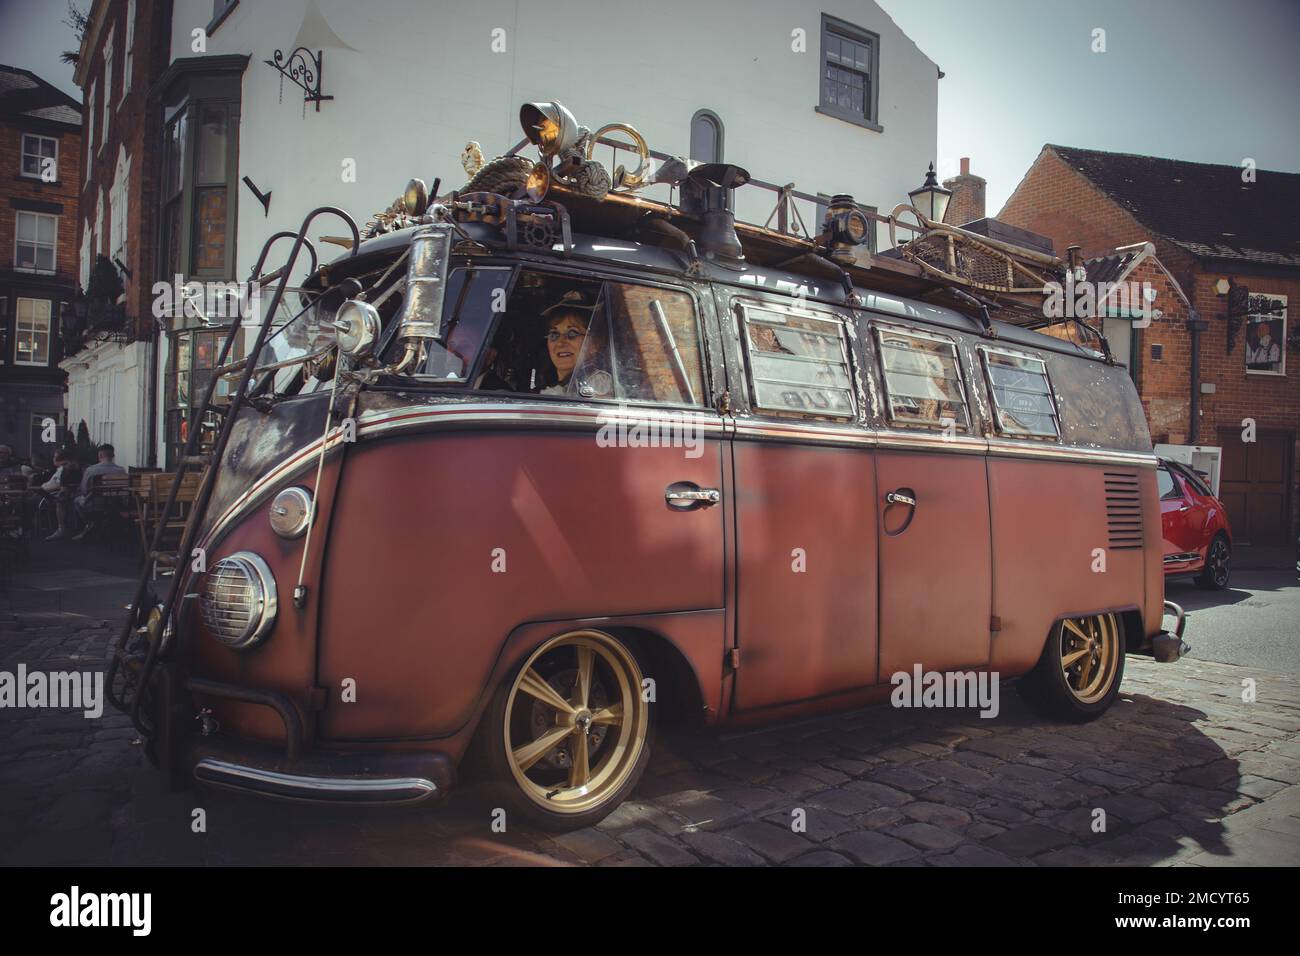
point(1090, 655)
point(605, 697)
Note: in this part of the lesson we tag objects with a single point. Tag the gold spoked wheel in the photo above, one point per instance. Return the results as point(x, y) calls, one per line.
point(1090, 650)
point(575, 722)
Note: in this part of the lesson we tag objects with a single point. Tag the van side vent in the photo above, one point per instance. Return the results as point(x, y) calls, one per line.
point(1123, 510)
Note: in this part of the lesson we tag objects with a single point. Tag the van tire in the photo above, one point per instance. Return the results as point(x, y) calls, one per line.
point(514, 719)
point(1051, 689)
point(1217, 571)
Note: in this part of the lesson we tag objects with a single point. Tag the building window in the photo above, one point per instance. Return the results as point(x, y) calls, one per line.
point(35, 239)
point(108, 83)
point(850, 70)
point(84, 272)
point(128, 54)
point(90, 129)
point(706, 137)
point(190, 360)
point(117, 204)
point(32, 332)
point(1266, 335)
point(198, 190)
point(39, 152)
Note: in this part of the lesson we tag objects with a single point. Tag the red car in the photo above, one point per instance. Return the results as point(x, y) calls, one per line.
point(1195, 524)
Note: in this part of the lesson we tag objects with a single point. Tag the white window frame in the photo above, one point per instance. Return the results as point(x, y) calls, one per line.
point(54, 246)
point(117, 207)
point(90, 131)
point(18, 332)
point(128, 54)
point(40, 158)
point(108, 85)
point(84, 274)
point(1280, 340)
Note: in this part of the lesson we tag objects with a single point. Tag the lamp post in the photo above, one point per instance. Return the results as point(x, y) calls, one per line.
point(930, 199)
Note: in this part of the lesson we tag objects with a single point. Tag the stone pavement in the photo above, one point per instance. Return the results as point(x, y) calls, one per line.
point(1186, 772)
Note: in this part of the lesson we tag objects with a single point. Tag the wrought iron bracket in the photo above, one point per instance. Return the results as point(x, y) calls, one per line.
point(304, 69)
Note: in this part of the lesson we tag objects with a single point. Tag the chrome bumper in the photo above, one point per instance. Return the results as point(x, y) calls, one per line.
point(372, 791)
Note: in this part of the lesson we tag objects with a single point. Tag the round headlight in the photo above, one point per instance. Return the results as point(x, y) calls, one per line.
point(415, 200)
point(538, 182)
point(357, 326)
point(291, 512)
point(238, 600)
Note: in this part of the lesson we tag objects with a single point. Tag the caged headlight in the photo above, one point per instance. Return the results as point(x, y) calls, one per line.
point(239, 601)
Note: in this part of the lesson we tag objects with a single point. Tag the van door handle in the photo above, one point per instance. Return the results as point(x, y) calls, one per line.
point(685, 495)
point(896, 498)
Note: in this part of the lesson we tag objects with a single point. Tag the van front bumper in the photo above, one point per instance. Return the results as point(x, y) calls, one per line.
point(286, 772)
point(380, 778)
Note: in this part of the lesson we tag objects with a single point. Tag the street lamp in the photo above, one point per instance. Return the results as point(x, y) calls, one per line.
point(931, 199)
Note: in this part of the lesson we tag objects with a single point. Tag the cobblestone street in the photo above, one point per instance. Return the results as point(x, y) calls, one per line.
point(1185, 770)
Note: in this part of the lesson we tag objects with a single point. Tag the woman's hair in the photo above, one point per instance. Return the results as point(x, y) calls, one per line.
point(582, 316)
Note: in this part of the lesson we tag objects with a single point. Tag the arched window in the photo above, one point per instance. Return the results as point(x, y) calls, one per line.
point(706, 137)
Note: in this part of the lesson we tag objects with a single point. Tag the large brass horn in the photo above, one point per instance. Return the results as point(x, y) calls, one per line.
point(622, 178)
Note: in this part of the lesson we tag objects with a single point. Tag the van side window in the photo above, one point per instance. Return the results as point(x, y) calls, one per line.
point(798, 362)
point(1022, 394)
point(1165, 484)
point(923, 380)
point(656, 344)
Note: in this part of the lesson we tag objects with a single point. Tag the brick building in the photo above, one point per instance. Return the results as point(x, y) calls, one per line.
point(40, 151)
point(1206, 379)
point(111, 353)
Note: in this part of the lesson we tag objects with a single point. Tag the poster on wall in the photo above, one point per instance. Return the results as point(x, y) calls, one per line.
point(1266, 334)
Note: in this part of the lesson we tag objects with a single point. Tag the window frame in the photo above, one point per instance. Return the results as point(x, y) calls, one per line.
point(842, 29)
point(23, 153)
point(828, 314)
point(49, 332)
point(984, 351)
point(108, 84)
point(878, 331)
point(54, 244)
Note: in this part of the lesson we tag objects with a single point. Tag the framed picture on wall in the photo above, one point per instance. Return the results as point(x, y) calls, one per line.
point(1266, 335)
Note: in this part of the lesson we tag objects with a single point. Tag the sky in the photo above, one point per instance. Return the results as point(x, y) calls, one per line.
point(32, 35)
point(1214, 81)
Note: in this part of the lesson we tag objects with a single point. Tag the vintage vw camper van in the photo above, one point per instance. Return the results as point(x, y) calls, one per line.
point(532, 476)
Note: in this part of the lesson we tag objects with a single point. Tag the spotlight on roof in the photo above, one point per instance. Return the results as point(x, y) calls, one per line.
point(549, 126)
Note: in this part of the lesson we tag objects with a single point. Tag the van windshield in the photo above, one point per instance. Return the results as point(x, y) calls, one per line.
point(473, 298)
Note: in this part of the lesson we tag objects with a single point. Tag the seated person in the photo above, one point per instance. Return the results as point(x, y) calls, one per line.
point(85, 503)
point(567, 345)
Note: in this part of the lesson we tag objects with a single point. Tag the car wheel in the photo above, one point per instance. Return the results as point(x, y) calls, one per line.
point(1214, 576)
point(568, 735)
point(1078, 675)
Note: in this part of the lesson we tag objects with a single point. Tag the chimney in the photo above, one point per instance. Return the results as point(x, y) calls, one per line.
point(967, 202)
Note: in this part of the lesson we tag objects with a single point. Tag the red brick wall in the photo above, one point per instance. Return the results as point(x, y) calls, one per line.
point(136, 124)
point(14, 186)
point(1059, 203)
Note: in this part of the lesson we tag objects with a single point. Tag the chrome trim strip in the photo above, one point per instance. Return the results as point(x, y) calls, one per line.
point(377, 423)
point(222, 773)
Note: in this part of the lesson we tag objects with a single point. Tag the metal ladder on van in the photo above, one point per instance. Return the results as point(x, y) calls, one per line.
point(141, 644)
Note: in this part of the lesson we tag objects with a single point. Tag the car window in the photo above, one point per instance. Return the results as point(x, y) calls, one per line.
point(798, 362)
point(1022, 394)
point(923, 380)
point(585, 338)
point(1166, 485)
point(1192, 478)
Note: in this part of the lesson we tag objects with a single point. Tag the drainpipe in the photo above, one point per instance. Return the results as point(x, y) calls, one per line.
point(1196, 325)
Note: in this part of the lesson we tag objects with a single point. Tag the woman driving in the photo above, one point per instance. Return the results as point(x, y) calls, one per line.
point(567, 325)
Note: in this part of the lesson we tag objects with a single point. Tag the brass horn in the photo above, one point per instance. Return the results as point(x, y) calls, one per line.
point(622, 178)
